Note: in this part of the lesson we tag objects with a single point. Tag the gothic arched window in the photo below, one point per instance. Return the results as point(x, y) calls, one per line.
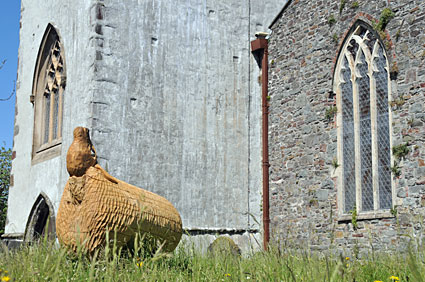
point(48, 87)
point(362, 85)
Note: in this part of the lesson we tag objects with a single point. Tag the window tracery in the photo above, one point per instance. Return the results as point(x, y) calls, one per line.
point(362, 87)
point(48, 89)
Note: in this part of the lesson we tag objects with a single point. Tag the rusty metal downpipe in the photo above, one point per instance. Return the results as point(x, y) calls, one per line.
point(259, 48)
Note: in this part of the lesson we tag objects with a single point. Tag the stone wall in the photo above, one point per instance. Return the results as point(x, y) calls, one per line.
point(303, 50)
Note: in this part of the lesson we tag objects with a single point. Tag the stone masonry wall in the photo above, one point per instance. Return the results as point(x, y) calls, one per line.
point(303, 49)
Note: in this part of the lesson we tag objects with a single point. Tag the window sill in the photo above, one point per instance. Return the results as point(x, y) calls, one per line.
point(48, 146)
point(47, 152)
point(367, 215)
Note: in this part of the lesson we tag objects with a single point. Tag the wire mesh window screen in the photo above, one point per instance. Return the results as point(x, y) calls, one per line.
point(353, 47)
point(384, 150)
point(46, 116)
point(348, 138)
point(55, 113)
point(370, 41)
point(363, 84)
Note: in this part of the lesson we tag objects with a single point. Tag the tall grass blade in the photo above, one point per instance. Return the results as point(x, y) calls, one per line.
point(58, 265)
point(334, 277)
point(92, 265)
point(415, 267)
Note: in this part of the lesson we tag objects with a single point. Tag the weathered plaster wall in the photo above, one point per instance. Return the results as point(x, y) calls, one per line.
point(303, 49)
point(176, 103)
point(72, 20)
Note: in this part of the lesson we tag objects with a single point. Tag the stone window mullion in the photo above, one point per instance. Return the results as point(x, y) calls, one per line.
point(374, 131)
point(357, 159)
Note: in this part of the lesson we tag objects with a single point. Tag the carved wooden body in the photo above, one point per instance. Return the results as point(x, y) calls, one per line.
point(95, 202)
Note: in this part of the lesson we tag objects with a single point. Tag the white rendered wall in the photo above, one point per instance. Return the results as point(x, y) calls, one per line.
point(72, 21)
point(171, 94)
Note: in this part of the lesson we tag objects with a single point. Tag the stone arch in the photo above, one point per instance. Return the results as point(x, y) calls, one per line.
point(42, 214)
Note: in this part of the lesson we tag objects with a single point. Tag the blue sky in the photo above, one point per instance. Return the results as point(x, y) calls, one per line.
point(9, 38)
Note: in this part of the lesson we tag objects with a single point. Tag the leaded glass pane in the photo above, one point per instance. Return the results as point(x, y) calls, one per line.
point(53, 84)
point(55, 113)
point(370, 40)
point(362, 31)
point(353, 47)
point(348, 138)
point(47, 116)
point(384, 157)
point(363, 84)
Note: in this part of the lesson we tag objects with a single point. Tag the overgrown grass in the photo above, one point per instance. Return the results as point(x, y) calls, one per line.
point(47, 262)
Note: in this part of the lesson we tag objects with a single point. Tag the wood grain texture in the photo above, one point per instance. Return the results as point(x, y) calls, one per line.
point(81, 154)
point(95, 202)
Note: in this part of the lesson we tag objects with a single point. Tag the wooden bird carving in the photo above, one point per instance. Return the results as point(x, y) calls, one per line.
point(81, 154)
point(94, 202)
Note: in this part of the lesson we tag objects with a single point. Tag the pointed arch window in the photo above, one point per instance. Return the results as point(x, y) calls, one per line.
point(48, 90)
point(362, 85)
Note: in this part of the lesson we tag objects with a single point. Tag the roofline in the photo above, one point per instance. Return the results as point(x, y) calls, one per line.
point(280, 13)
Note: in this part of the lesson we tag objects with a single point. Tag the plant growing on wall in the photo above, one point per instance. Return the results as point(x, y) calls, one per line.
point(401, 151)
point(5, 166)
point(335, 163)
point(331, 20)
point(342, 6)
point(398, 33)
point(393, 210)
point(397, 103)
point(330, 112)
point(386, 16)
point(354, 218)
point(335, 38)
point(394, 71)
point(395, 169)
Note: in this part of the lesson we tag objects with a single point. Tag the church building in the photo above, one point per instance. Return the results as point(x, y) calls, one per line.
point(311, 135)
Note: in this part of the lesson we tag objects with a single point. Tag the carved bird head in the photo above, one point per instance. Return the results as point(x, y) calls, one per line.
point(81, 154)
point(81, 133)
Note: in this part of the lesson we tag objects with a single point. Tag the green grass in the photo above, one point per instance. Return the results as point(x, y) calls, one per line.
point(47, 262)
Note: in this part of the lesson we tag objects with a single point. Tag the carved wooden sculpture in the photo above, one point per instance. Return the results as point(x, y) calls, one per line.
point(94, 201)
